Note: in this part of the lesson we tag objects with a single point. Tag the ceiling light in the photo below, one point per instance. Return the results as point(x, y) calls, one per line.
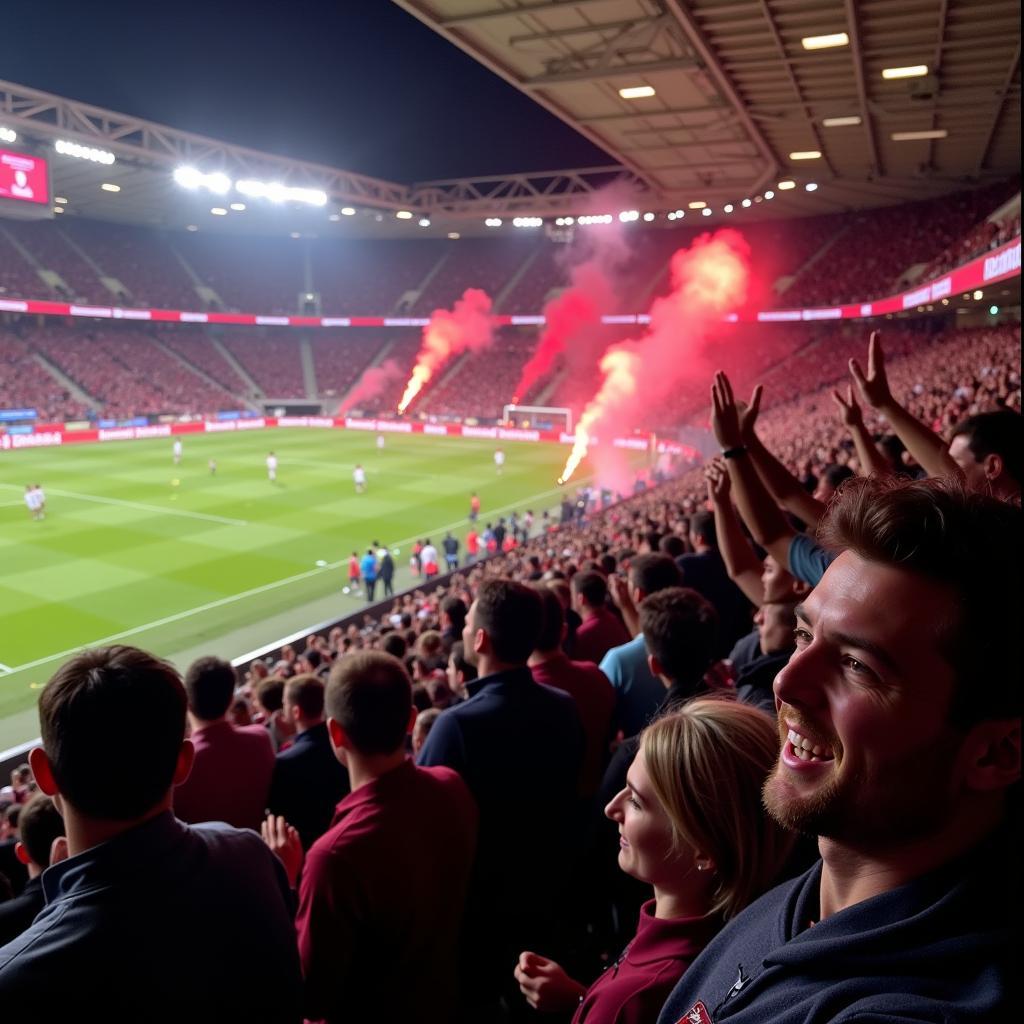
point(758, 199)
point(347, 211)
point(192, 227)
point(706, 211)
point(424, 222)
point(648, 217)
point(745, 203)
point(637, 92)
point(8, 134)
point(811, 186)
point(728, 208)
point(805, 154)
point(698, 205)
point(58, 209)
point(295, 234)
point(238, 207)
point(569, 221)
point(97, 156)
point(825, 42)
point(935, 133)
point(453, 235)
point(911, 71)
point(493, 222)
point(59, 199)
point(218, 211)
point(769, 194)
point(841, 122)
point(978, 295)
point(527, 222)
point(628, 216)
point(672, 215)
point(107, 187)
point(278, 193)
point(993, 310)
point(785, 186)
point(190, 178)
point(335, 217)
point(403, 214)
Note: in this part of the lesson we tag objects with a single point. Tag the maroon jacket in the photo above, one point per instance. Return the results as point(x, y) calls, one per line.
point(598, 635)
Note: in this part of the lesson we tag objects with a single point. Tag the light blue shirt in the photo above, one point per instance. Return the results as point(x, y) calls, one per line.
point(638, 691)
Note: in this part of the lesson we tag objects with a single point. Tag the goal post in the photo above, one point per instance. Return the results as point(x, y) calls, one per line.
point(510, 412)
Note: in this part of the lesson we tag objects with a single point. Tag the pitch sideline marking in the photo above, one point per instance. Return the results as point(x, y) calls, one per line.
point(264, 588)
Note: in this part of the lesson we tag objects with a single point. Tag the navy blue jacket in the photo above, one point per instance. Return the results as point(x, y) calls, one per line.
point(706, 573)
point(938, 949)
point(307, 784)
point(165, 922)
point(519, 745)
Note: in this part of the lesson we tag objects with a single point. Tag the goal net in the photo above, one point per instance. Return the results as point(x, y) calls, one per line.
point(539, 417)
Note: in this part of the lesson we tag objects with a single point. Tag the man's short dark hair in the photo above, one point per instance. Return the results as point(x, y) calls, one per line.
point(40, 823)
point(550, 637)
point(592, 585)
point(457, 656)
point(511, 614)
point(967, 542)
point(836, 475)
point(395, 645)
point(306, 692)
point(270, 694)
point(702, 525)
point(680, 629)
point(456, 610)
point(654, 572)
point(314, 657)
point(113, 699)
point(370, 696)
point(672, 545)
point(210, 685)
point(995, 433)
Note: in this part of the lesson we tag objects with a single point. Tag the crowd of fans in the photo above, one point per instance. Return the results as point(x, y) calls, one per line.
point(583, 776)
point(24, 384)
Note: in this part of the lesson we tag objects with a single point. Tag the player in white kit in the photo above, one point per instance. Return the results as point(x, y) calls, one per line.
point(359, 478)
point(380, 442)
point(499, 460)
point(272, 467)
point(176, 451)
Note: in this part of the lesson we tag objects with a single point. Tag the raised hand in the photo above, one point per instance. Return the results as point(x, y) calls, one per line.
point(284, 840)
point(850, 411)
point(873, 388)
point(717, 478)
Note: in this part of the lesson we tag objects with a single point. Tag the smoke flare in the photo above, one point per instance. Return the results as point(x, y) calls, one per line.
point(467, 326)
point(371, 383)
point(637, 375)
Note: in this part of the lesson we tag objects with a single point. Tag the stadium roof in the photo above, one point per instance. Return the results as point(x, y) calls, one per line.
point(735, 95)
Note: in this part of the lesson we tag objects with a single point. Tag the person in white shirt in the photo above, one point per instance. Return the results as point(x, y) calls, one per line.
point(428, 559)
point(359, 477)
point(380, 442)
point(176, 451)
point(30, 501)
point(499, 460)
point(40, 502)
point(272, 467)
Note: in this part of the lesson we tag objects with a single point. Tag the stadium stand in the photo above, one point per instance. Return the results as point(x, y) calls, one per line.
point(24, 384)
point(271, 357)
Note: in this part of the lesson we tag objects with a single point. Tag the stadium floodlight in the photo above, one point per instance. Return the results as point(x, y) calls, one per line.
point(97, 156)
point(811, 186)
point(192, 227)
point(238, 207)
point(191, 178)
point(707, 211)
point(745, 204)
point(934, 133)
point(671, 214)
point(454, 235)
point(825, 42)
point(785, 186)
point(60, 199)
point(637, 92)
point(403, 214)
point(493, 222)
point(911, 71)
point(769, 194)
point(8, 134)
point(649, 217)
point(424, 222)
point(993, 310)
point(569, 221)
point(278, 193)
point(58, 209)
point(627, 216)
point(978, 295)
point(728, 208)
point(218, 211)
point(294, 234)
point(335, 217)
point(805, 154)
point(527, 222)
point(347, 211)
point(841, 122)
point(109, 187)
point(698, 204)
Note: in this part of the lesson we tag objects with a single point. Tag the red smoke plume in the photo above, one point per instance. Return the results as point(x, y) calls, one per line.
point(709, 280)
point(371, 383)
point(468, 326)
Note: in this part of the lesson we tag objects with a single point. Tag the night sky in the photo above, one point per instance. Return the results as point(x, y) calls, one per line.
point(358, 84)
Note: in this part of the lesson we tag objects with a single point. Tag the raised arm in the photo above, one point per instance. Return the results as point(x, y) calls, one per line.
point(755, 505)
point(741, 562)
point(870, 458)
point(930, 450)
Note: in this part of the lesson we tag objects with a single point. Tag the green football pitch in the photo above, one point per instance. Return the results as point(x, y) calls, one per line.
point(137, 550)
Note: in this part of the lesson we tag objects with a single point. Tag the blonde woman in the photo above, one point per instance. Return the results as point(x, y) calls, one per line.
point(691, 825)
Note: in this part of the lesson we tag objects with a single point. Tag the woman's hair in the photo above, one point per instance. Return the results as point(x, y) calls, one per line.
point(708, 761)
